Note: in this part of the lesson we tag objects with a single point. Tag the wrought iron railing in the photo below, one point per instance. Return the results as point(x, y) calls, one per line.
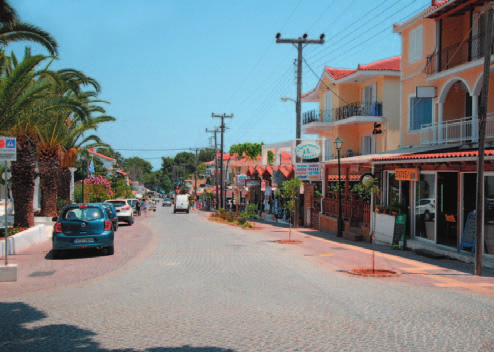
point(343, 112)
point(456, 54)
point(310, 116)
point(357, 109)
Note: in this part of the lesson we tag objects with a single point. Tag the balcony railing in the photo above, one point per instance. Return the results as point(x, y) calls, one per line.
point(310, 116)
point(343, 112)
point(455, 131)
point(354, 209)
point(456, 54)
point(357, 109)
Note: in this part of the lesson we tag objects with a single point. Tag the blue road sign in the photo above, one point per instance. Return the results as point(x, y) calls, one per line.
point(10, 143)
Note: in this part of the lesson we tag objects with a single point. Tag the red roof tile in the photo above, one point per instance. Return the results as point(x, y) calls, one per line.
point(392, 64)
point(424, 13)
point(91, 150)
point(452, 155)
point(337, 73)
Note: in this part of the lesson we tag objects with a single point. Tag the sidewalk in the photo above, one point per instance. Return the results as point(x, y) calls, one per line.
point(343, 255)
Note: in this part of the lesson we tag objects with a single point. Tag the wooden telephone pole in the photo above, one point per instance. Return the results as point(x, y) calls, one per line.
point(479, 243)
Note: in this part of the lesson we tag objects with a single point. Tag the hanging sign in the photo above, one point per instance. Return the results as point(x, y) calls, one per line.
point(407, 174)
point(308, 151)
point(8, 149)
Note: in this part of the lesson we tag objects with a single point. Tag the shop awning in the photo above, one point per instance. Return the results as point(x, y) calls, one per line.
point(471, 155)
point(250, 171)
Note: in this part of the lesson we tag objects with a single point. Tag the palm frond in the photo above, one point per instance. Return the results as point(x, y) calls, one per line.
point(21, 31)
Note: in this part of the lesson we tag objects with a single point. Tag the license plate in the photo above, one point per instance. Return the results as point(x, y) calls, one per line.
point(117, 210)
point(83, 240)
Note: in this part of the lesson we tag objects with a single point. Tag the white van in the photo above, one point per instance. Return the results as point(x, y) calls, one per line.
point(181, 203)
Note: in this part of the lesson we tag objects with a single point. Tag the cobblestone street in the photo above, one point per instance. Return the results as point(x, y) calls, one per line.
point(202, 286)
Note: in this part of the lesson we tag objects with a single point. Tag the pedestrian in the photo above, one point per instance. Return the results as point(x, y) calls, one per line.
point(145, 205)
point(138, 207)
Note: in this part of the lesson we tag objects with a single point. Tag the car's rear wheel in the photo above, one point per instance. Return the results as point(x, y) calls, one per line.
point(56, 254)
point(115, 226)
point(110, 250)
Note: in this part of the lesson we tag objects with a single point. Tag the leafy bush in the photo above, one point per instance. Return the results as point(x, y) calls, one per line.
point(60, 204)
point(240, 220)
point(12, 231)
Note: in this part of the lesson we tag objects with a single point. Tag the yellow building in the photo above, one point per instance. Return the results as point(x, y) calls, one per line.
point(352, 102)
point(443, 49)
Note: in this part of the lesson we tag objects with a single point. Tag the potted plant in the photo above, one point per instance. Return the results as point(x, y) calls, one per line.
point(394, 206)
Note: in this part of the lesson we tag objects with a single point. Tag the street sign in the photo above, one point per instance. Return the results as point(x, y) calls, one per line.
point(8, 149)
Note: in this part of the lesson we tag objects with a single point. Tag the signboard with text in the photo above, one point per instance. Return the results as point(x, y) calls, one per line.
point(308, 172)
point(407, 174)
point(308, 151)
point(240, 180)
point(8, 149)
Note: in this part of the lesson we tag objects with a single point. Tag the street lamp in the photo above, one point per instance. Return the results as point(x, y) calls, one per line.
point(338, 144)
point(286, 99)
point(83, 159)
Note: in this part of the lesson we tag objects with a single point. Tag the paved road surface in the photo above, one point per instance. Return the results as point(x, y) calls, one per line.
point(200, 286)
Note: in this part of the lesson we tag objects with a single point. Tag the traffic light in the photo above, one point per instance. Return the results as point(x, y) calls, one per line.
point(377, 128)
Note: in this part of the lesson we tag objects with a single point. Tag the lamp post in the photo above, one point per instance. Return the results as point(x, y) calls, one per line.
point(338, 144)
point(83, 159)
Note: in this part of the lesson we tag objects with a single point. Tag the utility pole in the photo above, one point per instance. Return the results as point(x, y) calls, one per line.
point(222, 130)
point(479, 243)
point(300, 43)
point(215, 131)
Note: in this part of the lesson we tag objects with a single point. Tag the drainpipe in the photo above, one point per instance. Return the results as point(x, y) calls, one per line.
point(440, 111)
point(475, 118)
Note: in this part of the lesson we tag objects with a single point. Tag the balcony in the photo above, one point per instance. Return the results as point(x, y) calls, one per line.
point(351, 114)
point(458, 131)
point(455, 55)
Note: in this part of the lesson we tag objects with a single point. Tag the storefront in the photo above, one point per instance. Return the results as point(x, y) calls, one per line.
point(437, 192)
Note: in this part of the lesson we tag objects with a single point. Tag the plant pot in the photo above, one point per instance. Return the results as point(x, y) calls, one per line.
point(385, 211)
point(394, 213)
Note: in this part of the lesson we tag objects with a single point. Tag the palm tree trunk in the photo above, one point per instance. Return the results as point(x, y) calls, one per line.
point(49, 166)
point(23, 176)
point(64, 179)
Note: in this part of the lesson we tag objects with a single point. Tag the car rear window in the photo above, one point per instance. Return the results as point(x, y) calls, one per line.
point(89, 213)
point(118, 203)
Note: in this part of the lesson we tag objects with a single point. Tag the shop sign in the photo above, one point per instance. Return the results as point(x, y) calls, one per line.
point(308, 171)
point(240, 180)
point(253, 183)
point(407, 174)
point(308, 151)
point(8, 151)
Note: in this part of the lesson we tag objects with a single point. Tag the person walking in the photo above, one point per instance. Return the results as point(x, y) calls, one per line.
point(138, 207)
point(145, 205)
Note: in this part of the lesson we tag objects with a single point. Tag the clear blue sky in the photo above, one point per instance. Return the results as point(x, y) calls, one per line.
point(166, 65)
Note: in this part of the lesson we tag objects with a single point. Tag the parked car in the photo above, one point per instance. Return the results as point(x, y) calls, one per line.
point(124, 210)
point(112, 214)
point(426, 206)
point(133, 202)
point(82, 226)
point(167, 202)
point(181, 203)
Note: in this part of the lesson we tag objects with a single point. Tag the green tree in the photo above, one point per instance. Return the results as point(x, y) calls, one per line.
point(205, 155)
point(270, 157)
point(166, 184)
point(137, 167)
point(291, 189)
point(251, 150)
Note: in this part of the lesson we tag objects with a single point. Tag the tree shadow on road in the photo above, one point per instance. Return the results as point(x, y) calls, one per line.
point(15, 336)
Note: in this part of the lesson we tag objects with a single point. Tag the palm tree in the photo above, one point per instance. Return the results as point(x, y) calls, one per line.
point(12, 30)
point(7, 13)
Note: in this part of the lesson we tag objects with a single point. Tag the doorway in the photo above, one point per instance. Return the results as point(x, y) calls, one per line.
point(446, 208)
point(405, 204)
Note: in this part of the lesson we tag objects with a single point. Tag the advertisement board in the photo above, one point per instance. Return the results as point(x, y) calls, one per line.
point(308, 172)
point(8, 149)
point(406, 174)
point(240, 180)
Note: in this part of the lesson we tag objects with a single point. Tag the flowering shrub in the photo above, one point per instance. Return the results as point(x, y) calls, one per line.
point(97, 189)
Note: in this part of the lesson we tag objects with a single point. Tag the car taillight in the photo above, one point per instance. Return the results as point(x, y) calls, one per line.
point(126, 207)
point(83, 206)
point(107, 225)
point(58, 227)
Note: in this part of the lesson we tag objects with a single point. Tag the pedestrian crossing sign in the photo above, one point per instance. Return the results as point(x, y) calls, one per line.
point(10, 143)
point(8, 149)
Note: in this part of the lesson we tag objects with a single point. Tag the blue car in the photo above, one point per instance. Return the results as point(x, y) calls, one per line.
point(82, 226)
